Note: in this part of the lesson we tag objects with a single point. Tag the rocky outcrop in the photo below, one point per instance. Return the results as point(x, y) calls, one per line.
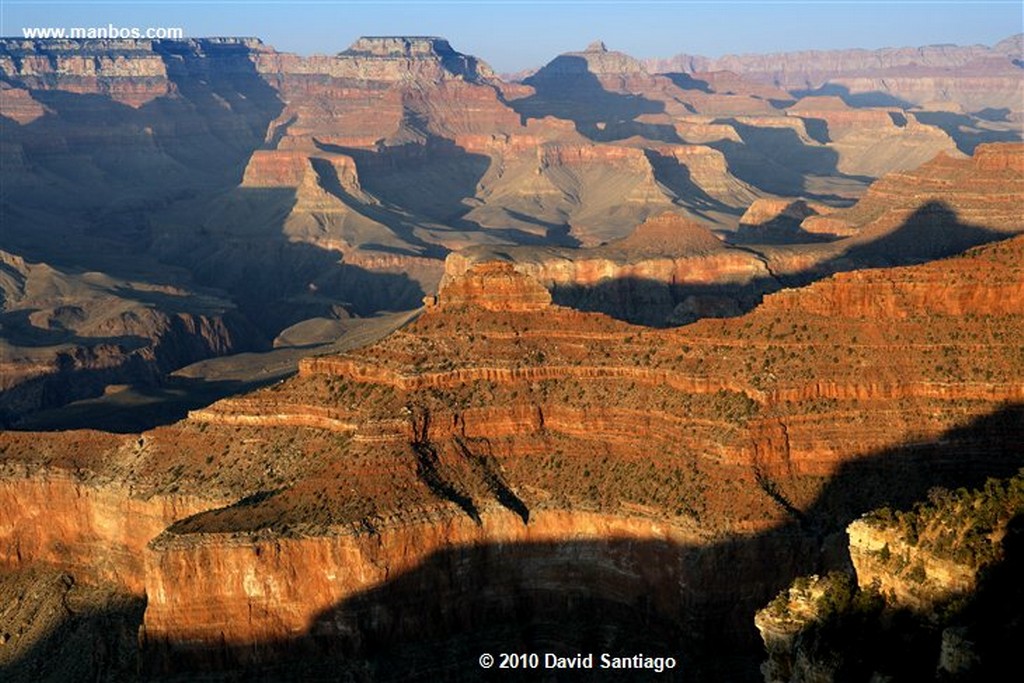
point(924, 579)
point(494, 286)
point(784, 626)
point(997, 158)
point(386, 59)
point(128, 71)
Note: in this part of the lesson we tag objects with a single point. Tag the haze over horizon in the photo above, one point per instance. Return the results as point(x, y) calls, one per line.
point(513, 35)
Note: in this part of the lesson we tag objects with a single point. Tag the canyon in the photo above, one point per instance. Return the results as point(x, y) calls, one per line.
point(515, 436)
point(335, 186)
point(361, 365)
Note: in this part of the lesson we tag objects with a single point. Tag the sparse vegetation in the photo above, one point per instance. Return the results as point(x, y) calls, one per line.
point(963, 526)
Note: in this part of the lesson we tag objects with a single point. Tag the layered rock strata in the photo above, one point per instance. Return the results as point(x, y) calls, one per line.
point(974, 76)
point(673, 270)
point(932, 595)
point(585, 462)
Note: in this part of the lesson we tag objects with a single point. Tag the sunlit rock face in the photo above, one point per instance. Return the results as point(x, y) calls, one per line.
point(494, 286)
point(933, 592)
point(487, 457)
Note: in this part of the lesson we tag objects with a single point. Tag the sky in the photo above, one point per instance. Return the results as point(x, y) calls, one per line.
point(517, 34)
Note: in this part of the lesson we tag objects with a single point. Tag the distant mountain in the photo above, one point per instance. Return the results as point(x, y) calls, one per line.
point(975, 77)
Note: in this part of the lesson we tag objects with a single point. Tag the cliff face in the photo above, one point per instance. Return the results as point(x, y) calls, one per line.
point(129, 71)
point(51, 518)
point(492, 456)
point(928, 579)
point(925, 580)
point(494, 287)
point(974, 76)
point(243, 594)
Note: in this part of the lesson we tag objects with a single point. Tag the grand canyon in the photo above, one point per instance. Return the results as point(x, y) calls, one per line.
point(363, 366)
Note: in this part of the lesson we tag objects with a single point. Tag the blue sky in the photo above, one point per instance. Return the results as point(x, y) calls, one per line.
point(516, 34)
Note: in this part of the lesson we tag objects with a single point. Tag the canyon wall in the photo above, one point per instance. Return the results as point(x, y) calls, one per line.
point(931, 595)
point(527, 464)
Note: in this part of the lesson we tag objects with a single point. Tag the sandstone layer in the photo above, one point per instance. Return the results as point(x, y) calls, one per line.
point(975, 76)
point(932, 594)
point(587, 463)
point(296, 188)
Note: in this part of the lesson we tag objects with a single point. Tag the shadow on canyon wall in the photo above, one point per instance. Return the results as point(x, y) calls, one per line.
point(434, 179)
point(676, 177)
point(275, 283)
point(91, 634)
point(97, 158)
point(621, 130)
point(196, 141)
point(685, 81)
point(566, 88)
point(965, 130)
point(620, 595)
point(932, 232)
point(861, 99)
point(778, 161)
point(146, 405)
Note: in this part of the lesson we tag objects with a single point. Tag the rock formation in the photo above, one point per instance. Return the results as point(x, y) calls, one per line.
point(672, 270)
point(767, 221)
point(494, 287)
point(509, 434)
point(506, 468)
point(921, 597)
point(985, 192)
point(974, 76)
point(341, 182)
